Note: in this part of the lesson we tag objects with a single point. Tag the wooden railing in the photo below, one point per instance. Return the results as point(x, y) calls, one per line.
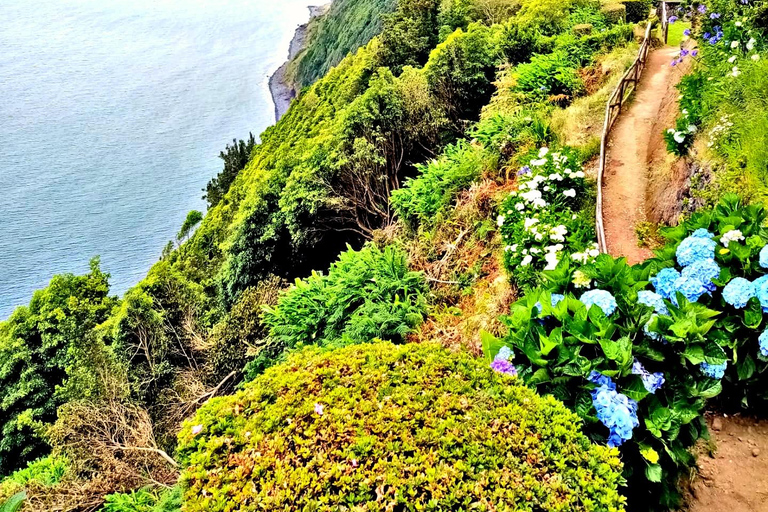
point(663, 16)
point(622, 92)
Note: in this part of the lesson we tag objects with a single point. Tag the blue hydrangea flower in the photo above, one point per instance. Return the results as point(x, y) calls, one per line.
point(556, 298)
point(615, 411)
point(601, 380)
point(702, 233)
point(703, 271)
point(692, 289)
point(664, 282)
point(504, 366)
point(603, 299)
point(504, 353)
point(651, 381)
point(763, 339)
point(695, 248)
point(764, 257)
point(713, 371)
point(738, 292)
point(761, 291)
point(653, 300)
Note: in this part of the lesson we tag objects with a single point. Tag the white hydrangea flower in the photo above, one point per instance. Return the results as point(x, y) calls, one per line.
point(735, 71)
point(535, 250)
point(738, 24)
point(756, 57)
point(751, 44)
point(732, 59)
point(543, 152)
point(538, 162)
point(569, 193)
point(552, 261)
point(578, 174)
point(526, 261)
point(733, 235)
point(500, 220)
point(594, 253)
point(555, 177)
point(519, 207)
point(734, 44)
point(527, 223)
point(679, 137)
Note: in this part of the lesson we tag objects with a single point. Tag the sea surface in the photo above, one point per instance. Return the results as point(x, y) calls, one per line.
point(112, 116)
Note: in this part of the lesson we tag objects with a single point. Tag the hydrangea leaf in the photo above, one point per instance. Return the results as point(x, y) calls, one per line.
point(653, 472)
point(746, 367)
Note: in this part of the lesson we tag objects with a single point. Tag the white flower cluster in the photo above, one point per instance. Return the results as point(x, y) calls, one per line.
point(679, 135)
point(733, 235)
point(719, 132)
point(536, 223)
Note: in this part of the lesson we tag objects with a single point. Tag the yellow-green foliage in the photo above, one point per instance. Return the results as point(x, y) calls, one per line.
point(582, 29)
point(379, 427)
point(615, 13)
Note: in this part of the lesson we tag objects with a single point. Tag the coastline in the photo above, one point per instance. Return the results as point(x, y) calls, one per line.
point(282, 92)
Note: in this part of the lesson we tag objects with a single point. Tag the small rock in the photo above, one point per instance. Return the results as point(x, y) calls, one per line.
point(755, 452)
point(741, 439)
point(750, 430)
point(717, 424)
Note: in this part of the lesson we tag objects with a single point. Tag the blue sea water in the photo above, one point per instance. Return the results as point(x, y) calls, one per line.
point(112, 116)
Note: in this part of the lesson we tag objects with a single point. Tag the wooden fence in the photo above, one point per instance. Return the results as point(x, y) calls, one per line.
point(622, 92)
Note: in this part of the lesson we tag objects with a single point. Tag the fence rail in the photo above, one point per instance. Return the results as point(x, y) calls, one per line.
point(620, 95)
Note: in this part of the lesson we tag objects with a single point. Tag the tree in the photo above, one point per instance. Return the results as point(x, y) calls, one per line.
point(37, 346)
point(193, 219)
point(235, 158)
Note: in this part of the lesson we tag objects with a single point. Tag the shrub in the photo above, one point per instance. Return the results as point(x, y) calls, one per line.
point(144, 500)
point(423, 198)
point(38, 345)
point(366, 294)
point(582, 29)
point(514, 134)
point(380, 427)
point(615, 13)
point(548, 75)
point(540, 223)
point(637, 10)
point(46, 471)
point(664, 352)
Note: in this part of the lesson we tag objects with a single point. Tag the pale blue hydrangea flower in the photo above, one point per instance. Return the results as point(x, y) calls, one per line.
point(556, 298)
point(713, 371)
point(764, 257)
point(654, 300)
point(651, 381)
point(692, 289)
point(603, 299)
point(600, 379)
point(761, 291)
point(763, 340)
point(704, 271)
point(702, 233)
point(664, 282)
point(695, 248)
point(738, 292)
point(504, 353)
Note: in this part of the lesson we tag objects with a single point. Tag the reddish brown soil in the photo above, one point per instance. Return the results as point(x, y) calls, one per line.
point(734, 477)
point(634, 141)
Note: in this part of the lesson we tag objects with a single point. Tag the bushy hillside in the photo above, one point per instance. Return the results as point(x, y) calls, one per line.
point(435, 186)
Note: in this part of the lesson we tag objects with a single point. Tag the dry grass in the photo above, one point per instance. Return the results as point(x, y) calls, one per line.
point(581, 123)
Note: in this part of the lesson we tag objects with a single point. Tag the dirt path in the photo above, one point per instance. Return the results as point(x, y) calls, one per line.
point(632, 147)
point(734, 477)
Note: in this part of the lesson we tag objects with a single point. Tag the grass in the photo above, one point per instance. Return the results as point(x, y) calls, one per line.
point(675, 35)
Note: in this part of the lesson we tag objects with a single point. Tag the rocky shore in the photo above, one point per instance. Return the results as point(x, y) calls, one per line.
point(282, 91)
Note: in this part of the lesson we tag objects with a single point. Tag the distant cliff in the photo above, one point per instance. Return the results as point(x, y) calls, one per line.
point(333, 31)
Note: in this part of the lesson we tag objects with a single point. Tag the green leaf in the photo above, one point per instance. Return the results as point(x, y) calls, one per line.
point(746, 368)
point(14, 503)
point(540, 376)
point(694, 353)
point(653, 472)
point(753, 313)
point(712, 390)
point(491, 344)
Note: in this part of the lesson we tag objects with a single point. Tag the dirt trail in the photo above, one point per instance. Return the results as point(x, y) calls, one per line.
point(632, 147)
point(734, 478)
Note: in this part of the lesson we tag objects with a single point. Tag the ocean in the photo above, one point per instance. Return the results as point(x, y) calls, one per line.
point(112, 116)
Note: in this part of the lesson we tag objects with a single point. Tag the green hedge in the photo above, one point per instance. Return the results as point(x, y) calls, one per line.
point(379, 427)
point(637, 10)
point(615, 13)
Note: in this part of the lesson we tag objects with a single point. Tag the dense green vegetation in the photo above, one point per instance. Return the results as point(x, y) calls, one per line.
point(380, 427)
point(348, 25)
point(419, 182)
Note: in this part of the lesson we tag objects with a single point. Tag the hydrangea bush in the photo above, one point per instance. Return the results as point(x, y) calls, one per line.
point(541, 222)
point(638, 354)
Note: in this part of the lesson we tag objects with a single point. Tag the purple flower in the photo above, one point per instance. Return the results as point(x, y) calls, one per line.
point(702, 8)
point(524, 170)
point(319, 409)
point(504, 366)
point(694, 53)
point(714, 16)
point(687, 32)
point(672, 19)
point(707, 35)
point(683, 52)
point(197, 429)
point(674, 62)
